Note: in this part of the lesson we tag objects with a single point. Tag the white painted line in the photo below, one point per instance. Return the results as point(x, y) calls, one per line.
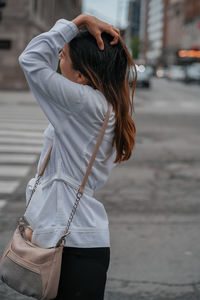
point(19, 140)
point(14, 171)
point(2, 203)
point(21, 133)
point(21, 120)
point(189, 104)
point(18, 158)
point(20, 149)
point(161, 103)
point(8, 187)
point(23, 126)
point(26, 116)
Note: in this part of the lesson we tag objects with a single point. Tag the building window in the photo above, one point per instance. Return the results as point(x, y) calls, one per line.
point(5, 44)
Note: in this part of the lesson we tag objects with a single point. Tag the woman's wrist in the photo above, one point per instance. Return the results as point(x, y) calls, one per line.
point(80, 21)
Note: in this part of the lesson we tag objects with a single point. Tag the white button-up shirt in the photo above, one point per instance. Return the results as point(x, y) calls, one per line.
point(76, 113)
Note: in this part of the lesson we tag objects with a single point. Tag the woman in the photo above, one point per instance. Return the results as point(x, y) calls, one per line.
point(94, 64)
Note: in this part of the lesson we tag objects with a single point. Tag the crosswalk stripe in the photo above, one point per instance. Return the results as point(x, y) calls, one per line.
point(22, 117)
point(18, 158)
point(4, 120)
point(2, 203)
point(14, 171)
point(23, 133)
point(20, 149)
point(19, 140)
point(8, 187)
point(21, 126)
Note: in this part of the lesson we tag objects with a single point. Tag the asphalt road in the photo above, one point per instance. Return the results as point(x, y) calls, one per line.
point(152, 200)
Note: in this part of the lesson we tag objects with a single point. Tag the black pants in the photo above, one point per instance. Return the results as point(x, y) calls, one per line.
point(83, 273)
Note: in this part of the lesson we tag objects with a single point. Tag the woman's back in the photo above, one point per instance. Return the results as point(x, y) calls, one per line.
point(74, 144)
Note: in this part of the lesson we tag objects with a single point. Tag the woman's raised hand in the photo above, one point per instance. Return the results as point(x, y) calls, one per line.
point(96, 27)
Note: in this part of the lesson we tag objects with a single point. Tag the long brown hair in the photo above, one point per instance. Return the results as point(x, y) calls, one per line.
point(108, 71)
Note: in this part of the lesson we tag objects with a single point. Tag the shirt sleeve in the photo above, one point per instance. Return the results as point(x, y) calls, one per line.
point(55, 94)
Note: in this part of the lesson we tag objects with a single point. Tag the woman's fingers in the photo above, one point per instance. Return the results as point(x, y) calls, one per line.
point(116, 36)
point(115, 32)
point(97, 28)
point(115, 40)
point(99, 41)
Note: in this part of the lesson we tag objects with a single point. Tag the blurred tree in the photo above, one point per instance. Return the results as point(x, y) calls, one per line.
point(58, 69)
point(134, 45)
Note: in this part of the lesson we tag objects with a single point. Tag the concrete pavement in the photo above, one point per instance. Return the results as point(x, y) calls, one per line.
point(152, 200)
point(155, 201)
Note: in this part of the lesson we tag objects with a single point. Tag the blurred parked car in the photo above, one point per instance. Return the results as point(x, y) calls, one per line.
point(176, 73)
point(193, 73)
point(143, 76)
point(150, 70)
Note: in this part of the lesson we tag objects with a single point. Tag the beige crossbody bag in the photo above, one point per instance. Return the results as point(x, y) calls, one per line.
point(29, 269)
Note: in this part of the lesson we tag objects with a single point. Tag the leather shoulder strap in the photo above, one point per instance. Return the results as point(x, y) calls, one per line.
point(99, 140)
point(46, 160)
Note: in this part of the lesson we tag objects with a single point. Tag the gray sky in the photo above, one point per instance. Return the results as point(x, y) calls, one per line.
point(111, 11)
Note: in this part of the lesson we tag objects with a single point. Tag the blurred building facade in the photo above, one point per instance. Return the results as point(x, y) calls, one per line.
point(134, 17)
point(191, 37)
point(175, 31)
point(21, 20)
point(133, 29)
point(143, 30)
point(153, 40)
point(183, 31)
point(168, 27)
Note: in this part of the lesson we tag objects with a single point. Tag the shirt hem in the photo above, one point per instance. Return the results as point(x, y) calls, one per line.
point(80, 239)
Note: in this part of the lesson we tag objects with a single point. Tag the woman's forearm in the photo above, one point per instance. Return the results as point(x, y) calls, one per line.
point(39, 62)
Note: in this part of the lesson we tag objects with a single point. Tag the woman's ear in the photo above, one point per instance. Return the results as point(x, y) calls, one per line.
point(81, 79)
